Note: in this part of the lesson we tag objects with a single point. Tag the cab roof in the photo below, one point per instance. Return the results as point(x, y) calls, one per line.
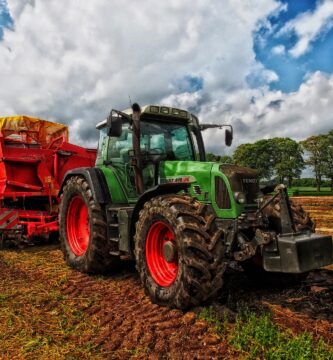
point(157, 111)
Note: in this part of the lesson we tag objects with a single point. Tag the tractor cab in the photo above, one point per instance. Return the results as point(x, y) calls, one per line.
point(165, 134)
point(136, 149)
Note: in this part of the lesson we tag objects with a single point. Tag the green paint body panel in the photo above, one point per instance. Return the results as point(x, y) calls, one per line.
point(201, 174)
point(116, 190)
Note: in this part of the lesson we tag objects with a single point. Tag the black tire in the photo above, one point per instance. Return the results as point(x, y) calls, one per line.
point(96, 258)
point(200, 250)
point(302, 219)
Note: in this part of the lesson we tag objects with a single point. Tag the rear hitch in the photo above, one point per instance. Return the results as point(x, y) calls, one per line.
point(292, 251)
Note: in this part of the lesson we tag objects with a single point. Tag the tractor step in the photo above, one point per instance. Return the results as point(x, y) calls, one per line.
point(118, 220)
point(114, 253)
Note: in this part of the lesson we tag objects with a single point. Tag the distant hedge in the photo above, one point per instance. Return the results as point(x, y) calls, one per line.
point(309, 191)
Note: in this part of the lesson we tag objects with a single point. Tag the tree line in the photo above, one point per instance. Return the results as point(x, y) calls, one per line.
point(283, 159)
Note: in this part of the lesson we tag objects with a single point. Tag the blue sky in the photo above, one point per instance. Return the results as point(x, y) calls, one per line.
point(5, 18)
point(264, 66)
point(291, 71)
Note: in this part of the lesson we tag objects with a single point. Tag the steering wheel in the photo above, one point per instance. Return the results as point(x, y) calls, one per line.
point(158, 150)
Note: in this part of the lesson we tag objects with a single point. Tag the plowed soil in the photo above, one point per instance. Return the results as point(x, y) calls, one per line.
point(321, 210)
point(58, 313)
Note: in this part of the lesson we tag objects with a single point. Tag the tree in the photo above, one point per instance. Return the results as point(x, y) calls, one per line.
point(280, 157)
point(211, 157)
point(257, 156)
point(328, 157)
point(225, 159)
point(316, 148)
point(288, 159)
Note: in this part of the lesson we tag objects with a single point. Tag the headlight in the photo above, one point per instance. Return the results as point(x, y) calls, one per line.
point(260, 196)
point(240, 197)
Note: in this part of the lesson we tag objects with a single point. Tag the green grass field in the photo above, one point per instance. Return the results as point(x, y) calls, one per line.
point(309, 191)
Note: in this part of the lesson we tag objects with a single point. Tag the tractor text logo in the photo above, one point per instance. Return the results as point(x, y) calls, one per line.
point(178, 179)
point(250, 181)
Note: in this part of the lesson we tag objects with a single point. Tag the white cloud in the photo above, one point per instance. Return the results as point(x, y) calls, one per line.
point(261, 113)
point(17, 7)
point(279, 50)
point(69, 59)
point(309, 26)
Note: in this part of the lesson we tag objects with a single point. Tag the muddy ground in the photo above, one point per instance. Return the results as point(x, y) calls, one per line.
point(48, 311)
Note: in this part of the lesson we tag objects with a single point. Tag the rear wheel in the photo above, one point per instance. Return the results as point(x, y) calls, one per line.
point(83, 229)
point(179, 251)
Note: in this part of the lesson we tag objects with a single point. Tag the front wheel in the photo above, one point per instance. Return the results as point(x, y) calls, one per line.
point(83, 229)
point(179, 251)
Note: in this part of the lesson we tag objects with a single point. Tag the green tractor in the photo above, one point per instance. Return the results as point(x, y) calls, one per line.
point(152, 197)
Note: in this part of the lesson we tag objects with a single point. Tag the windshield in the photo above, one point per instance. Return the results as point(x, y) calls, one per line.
point(168, 141)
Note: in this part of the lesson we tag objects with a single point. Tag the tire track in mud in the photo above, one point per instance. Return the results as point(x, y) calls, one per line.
point(130, 325)
point(305, 307)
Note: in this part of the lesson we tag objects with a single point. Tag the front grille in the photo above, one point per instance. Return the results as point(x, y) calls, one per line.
point(250, 187)
point(242, 179)
point(221, 194)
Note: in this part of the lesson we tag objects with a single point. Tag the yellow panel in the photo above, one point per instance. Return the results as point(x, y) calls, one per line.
point(37, 130)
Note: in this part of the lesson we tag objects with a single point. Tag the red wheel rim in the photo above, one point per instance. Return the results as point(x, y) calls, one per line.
point(164, 271)
point(78, 226)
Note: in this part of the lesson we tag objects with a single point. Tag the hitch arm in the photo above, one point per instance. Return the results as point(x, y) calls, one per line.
point(287, 221)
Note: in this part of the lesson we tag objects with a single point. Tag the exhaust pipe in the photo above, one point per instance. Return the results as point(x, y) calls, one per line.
point(136, 161)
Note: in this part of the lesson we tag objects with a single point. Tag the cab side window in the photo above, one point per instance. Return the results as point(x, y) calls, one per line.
point(118, 149)
point(181, 145)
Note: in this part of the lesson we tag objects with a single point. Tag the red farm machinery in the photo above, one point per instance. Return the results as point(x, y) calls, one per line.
point(34, 156)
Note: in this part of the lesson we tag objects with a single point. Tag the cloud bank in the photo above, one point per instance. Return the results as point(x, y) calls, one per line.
point(71, 61)
point(309, 26)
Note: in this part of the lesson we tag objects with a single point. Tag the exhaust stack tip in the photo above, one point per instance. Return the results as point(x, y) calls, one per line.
point(136, 107)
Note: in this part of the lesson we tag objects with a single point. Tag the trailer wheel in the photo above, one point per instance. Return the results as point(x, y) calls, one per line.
point(179, 251)
point(83, 229)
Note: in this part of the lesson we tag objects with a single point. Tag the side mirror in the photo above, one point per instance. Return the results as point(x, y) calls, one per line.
point(114, 124)
point(228, 137)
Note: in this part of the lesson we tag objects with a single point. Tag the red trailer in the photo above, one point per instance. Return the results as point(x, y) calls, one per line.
point(34, 156)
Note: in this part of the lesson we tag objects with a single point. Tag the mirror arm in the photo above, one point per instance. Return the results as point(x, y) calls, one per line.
point(126, 116)
point(214, 126)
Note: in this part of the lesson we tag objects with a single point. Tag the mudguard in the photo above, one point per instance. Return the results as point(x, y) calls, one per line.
point(160, 189)
point(96, 180)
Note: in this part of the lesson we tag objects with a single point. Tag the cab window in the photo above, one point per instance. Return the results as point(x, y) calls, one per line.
point(167, 141)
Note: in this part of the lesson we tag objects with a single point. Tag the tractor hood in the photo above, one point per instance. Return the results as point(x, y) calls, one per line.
point(214, 183)
point(198, 174)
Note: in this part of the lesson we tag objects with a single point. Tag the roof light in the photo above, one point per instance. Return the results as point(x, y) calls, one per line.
point(154, 109)
point(164, 110)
